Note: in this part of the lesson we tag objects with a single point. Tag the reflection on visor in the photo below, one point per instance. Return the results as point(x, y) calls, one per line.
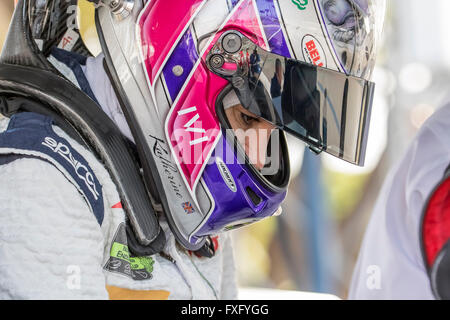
point(325, 108)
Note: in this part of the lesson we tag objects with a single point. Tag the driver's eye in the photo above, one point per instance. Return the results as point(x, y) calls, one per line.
point(248, 119)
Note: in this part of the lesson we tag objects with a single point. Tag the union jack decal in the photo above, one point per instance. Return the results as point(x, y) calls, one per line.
point(187, 206)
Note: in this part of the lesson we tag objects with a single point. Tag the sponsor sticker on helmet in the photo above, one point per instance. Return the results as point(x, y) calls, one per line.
point(313, 51)
point(226, 174)
point(188, 208)
point(301, 4)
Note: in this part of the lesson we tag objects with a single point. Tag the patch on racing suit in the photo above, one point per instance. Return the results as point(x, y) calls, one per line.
point(30, 135)
point(120, 261)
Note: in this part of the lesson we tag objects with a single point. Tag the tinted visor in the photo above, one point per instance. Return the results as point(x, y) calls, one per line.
point(327, 109)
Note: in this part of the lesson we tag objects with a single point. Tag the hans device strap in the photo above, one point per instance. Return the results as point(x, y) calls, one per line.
point(25, 73)
point(435, 238)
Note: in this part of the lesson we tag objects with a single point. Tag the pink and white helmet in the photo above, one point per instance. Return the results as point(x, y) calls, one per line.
point(304, 66)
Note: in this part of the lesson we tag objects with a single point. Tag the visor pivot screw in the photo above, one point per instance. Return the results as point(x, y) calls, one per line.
point(177, 70)
point(121, 9)
point(232, 43)
point(216, 61)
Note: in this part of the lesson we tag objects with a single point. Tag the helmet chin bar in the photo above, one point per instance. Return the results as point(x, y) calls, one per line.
point(136, 101)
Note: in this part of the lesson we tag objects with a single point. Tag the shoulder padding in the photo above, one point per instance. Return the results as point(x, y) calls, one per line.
point(31, 135)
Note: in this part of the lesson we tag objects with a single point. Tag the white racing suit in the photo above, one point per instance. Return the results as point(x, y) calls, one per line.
point(390, 263)
point(56, 242)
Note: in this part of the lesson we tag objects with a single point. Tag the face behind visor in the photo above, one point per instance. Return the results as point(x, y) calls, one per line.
point(327, 109)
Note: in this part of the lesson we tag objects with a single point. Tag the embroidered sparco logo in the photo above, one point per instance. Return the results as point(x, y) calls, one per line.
point(80, 169)
point(226, 174)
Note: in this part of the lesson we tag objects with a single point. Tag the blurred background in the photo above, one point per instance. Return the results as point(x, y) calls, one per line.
point(314, 244)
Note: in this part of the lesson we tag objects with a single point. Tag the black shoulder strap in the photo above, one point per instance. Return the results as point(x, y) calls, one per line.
point(15, 104)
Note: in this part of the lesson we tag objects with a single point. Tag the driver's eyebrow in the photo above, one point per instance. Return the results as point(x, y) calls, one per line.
point(241, 109)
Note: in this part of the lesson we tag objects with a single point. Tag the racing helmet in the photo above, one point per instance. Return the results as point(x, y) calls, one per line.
point(184, 71)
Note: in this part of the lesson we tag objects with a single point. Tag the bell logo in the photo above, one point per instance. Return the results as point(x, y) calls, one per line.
point(313, 51)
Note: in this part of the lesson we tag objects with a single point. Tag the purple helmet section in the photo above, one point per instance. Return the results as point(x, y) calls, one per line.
point(272, 27)
point(184, 56)
point(235, 205)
